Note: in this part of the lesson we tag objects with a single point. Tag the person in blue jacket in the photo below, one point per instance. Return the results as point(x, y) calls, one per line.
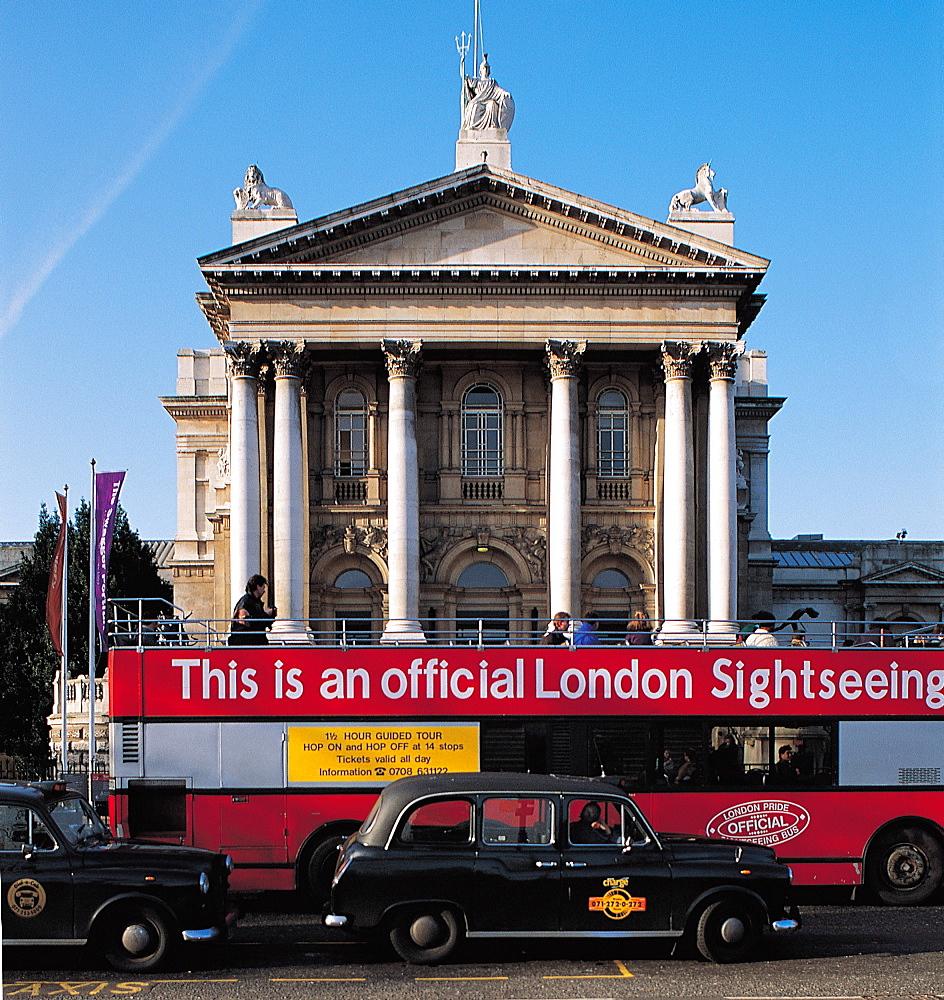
point(587, 634)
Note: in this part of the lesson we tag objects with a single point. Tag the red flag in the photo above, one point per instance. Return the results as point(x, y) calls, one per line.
point(56, 574)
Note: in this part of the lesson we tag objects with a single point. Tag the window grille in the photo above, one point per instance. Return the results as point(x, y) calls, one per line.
point(919, 776)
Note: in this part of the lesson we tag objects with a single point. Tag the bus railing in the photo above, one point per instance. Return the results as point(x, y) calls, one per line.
point(154, 622)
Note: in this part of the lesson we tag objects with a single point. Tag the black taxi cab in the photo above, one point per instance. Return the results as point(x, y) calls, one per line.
point(64, 880)
point(521, 855)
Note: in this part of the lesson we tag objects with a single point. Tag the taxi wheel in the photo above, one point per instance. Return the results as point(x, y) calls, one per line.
point(728, 930)
point(905, 866)
point(136, 939)
point(424, 937)
point(321, 867)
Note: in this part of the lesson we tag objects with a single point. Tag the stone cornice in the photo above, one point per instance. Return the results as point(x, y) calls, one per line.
point(280, 281)
point(181, 407)
point(758, 407)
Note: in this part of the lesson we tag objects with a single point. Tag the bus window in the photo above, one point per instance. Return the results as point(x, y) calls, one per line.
point(802, 755)
point(618, 748)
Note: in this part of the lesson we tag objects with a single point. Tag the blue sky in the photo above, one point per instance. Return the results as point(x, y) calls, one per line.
point(126, 126)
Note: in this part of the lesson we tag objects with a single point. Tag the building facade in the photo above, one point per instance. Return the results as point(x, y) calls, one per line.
point(481, 399)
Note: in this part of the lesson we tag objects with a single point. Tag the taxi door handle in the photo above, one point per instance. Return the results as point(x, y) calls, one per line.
point(575, 864)
point(545, 864)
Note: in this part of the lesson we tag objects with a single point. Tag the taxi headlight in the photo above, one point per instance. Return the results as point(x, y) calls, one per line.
point(230, 867)
point(204, 883)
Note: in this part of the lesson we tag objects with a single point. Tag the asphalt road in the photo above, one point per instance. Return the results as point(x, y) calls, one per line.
point(844, 950)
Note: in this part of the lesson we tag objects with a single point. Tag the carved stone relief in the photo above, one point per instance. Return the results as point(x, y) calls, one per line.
point(564, 356)
point(369, 538)
point(404, 357)
point(615, 538)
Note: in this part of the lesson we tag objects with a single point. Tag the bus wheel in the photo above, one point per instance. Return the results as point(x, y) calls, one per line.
point(728, 930)
point(904, 866)
point(424, 937)
point(321, 867)
point(136, 939)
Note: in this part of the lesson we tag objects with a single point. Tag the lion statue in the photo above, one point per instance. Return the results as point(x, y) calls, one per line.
point(255, 193)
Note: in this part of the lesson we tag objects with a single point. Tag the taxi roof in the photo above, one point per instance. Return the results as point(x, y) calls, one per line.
point(400, 793)
point(30, 791)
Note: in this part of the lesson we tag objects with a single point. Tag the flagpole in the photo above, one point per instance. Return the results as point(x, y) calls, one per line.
point(91, 635)
point(65, 636)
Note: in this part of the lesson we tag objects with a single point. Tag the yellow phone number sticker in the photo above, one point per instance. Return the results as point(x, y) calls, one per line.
point(352, 752)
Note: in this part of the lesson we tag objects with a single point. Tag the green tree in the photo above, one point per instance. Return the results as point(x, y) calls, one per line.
point(28, 662)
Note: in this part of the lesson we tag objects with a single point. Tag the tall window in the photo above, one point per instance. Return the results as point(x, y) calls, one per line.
point(482, 449)
point(350, 438)
point(612, 434)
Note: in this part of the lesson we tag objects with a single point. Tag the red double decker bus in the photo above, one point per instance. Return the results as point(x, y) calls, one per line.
point(275, 754)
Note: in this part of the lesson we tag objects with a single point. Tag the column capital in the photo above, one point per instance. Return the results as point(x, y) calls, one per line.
point(564, 356)
point(404, 357)
point(678, 357)
point(244, 358)
point(723, 360)
point(287, 357)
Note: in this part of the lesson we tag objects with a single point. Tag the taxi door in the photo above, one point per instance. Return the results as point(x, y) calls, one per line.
point(517, 866)
point(605, 887)
point(37, 888)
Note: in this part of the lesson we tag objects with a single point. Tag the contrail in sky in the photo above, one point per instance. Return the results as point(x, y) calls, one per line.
point(25, 292)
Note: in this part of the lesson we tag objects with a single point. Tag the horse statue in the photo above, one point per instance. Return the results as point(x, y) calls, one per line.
point(702, 191)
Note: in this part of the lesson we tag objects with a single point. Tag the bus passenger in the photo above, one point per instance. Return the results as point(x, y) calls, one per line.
point(558, 631)
point(251, 618)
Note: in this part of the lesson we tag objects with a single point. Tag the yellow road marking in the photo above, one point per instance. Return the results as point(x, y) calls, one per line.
point(624, 973)
point(454, 979)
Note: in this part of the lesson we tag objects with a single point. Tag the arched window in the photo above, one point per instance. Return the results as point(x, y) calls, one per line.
point(612, 434)
point(353, 614)
point(482, 574)
point(483, 613)
point(350, 434)
point(611, 609)
point(352, 579)
point(482, 439)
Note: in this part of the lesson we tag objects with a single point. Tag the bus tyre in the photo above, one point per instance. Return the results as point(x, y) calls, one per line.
point(136, 939)
point(425, 936)
point(905, 866)
point(321, 865)
point(728, 930)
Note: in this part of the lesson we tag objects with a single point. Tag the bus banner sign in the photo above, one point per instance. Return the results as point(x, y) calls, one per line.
point(346, 752)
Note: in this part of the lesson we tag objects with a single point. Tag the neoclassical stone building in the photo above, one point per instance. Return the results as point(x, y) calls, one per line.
point(481, 398)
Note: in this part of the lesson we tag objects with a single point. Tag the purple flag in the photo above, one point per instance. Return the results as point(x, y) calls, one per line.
point(107, 488)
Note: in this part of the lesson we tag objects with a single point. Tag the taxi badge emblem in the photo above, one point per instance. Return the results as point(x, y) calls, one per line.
point(26, 898)
point(617, 903)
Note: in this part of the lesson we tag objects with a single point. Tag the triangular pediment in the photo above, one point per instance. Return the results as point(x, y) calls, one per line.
point(905, 573)
point(490, 218)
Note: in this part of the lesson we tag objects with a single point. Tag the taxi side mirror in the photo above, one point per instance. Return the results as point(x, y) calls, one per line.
point(27, 850)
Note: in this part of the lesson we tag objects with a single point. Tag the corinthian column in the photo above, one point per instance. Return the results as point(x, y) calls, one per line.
point(403, 505)
point(722, 493)
point(678, 494)
point(245, 541)
point(288, 517)
point(563, 513)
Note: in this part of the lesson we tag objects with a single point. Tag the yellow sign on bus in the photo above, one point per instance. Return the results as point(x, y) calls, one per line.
point(349, 752)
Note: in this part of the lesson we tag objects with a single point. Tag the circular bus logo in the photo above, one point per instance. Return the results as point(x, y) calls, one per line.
point(26, 898)
point(768, 822)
